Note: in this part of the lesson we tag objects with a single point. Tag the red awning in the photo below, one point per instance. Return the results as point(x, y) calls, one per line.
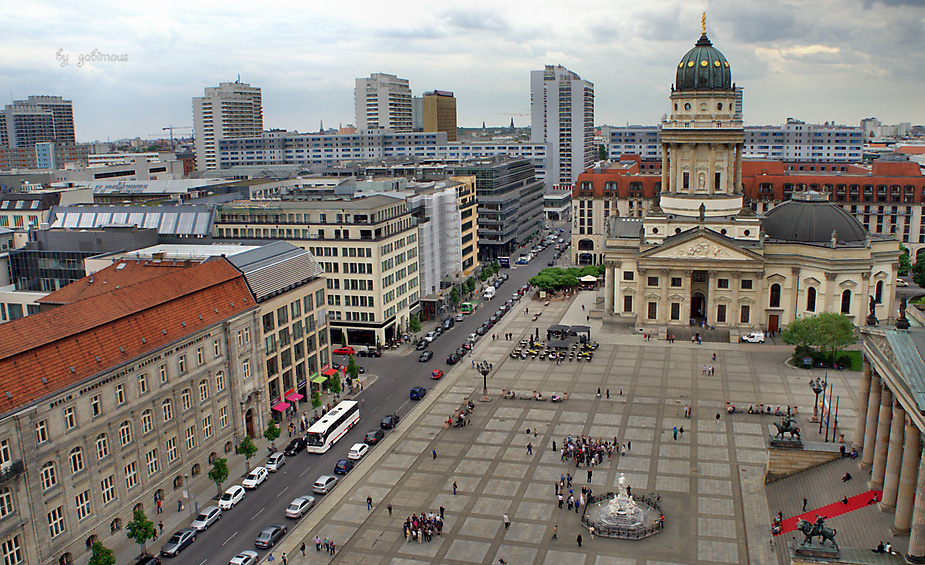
point(281, 406)
point(329, 371)
point(294, 397)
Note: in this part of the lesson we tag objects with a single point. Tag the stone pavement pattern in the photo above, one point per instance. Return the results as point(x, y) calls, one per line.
point(699, 476)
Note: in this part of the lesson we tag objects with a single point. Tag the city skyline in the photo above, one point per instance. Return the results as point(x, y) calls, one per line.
point(833, 60)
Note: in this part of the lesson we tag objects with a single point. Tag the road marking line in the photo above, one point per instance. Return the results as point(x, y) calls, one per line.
point(258, 513)
point(228, 540)
point(281, 492)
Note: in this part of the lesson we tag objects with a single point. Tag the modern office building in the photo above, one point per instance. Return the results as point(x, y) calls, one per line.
point(383, 101)
point(439, 113)
point(38, 119)
point(123, 390)
point(562, 118)
point(368, 248)
point(510, 203)
point(44, 156)
point(229, 111)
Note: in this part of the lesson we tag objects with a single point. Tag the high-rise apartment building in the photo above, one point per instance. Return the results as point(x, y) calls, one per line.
point(562, 117)
point(383, 102)
point(38, 119)
point(230, 111)
point(439, 113)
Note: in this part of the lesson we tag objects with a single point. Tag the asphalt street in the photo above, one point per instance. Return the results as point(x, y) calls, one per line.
point(396, 372)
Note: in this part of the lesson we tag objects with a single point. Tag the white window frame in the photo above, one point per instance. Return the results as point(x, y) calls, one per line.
point(147, 421)
point(6, 455)
point(76, 458)
point(217, 347)
point(172, 454)
point(207, 426)
point(162, 371)
point(151, 462)
point(41, 431)
point(220, 381)
point(223, 416)
point(96, 405)
point(125, 433)
point(102, 446)
point(108, 489)
point(6, 502)
point(120, 394)
point(191, 438)
point(56, 525)
point(11, 551)
point(167, 410)
point(186, 399)
point(49, 475)
point(82, 502)
point(142, 383)
point(203, 390)
point(131, 476)
point(70, 418)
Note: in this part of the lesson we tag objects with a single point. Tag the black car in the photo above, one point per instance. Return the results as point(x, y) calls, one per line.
point(148, 560)
point(422, 345)
point(438, 331)
point(426, 356)
point(369, 353)
point(461, 351)
point(481, 330)
point(295, 446)
point(494, 319)
point(452, 359)
point(389, 421)
point(269, 536)
point(373, 437)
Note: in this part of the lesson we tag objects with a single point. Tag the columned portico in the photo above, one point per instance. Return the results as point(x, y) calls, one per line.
point(883, 438)
point(860, 425)
point(873, 412)
point(893, 458)
point(912, 453)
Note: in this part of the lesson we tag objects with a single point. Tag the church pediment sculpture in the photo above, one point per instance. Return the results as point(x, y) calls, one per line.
point(700, 248)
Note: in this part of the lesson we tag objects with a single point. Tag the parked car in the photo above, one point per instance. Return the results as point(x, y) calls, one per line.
point(231, 497)
point(461, 352)
point(270, 536)
point(438, 331)
point(343, 466)
point(344, 351)
point(474, 337)
point(452, 359)
point(900, 282)
point(373, 437)
point(754, 337)
point(422, 344)
point(448, 323)
point(358, 451)
point(296, 445)
point(551, 263)
point(369, 352)
point(299, 506)
point(178, 542)
point(208, 516)
point(324, 484)
point(275, 462)
point(390, 421)
point(481, 330)
point(426, 356)
point(148, 560)
point(460, 317)
point(418, 392)
point(247, 557)
point(436, 374)
point(430, 337)
point(255, 477)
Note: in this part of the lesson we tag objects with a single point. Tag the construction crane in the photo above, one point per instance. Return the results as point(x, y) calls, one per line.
point(171, 128)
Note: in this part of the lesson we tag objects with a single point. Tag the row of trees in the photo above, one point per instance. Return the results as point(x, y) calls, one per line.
point(555, 278)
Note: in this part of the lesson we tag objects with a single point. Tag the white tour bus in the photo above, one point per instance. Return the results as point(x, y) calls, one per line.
point(332, 426)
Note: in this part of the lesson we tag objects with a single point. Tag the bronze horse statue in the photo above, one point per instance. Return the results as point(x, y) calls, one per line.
point(817, 530)
point(787, 426)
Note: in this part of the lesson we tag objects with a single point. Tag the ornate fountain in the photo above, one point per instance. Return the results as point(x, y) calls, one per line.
point(624, 515)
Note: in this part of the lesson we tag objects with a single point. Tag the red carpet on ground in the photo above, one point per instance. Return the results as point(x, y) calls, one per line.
point(835, 509)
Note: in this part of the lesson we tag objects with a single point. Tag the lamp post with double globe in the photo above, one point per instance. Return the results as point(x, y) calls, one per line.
point(816, 386)
point(484, 367)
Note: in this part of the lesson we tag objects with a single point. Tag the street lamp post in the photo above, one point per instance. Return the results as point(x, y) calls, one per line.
point(484, 368)
point(817, 387)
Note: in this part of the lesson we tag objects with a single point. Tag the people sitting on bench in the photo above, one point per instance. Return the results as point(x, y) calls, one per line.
point(846, 478)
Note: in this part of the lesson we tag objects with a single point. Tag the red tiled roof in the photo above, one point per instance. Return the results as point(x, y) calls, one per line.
point(111, 278)
point(74, 342)
point(910, 149)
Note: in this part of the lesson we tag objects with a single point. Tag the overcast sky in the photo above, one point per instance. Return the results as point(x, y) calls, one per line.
point(818, 60)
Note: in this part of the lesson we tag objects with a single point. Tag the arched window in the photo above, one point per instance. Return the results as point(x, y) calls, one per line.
point(125, 433)
point(775, 296)
point(811, 299)
point(168, 410)
point(49, 475)
point(203, 390)
point(102, 446)
point(846, 302)
point(147, 421)
point(219, 381)
point(186, 399)
point(6, 501)
point(879, 296)
point(77, 460)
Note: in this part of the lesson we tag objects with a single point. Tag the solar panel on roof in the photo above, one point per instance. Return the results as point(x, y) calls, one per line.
point(120, 217)
point(152, 220)
point(103, 218)
point(136, 218)
point(185, 222)
point(87, 220)
point(168, 223)
point(70, 220)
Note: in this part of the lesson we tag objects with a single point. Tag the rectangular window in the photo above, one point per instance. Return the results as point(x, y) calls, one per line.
point(745, 314)
point(717, 181)
point(6, 502)
point(720, 312)
point(207, 427)
point(223, 416)
point(6, 455)
point(172, 449)
point(142, 383)
point(203, 390)
point(41, 431)
point(628, 275)
point(108, 489)
point(56, 521)
point(96, 406)
point(162, 370)
point(217, 348)
point(627, 303)
point(653, 310)
point(190, 438)
point(282, 315)
point(240, 338)
point(652, 281)
point(675, 281)
point(675, 310)
point(70, 418)
point(151, 461)
point(722, 283)
point(82, 502)
point(220, 381)
point(295, 309)
point(131, 476)
point(181, 363)
point(200, 357)
point(746, 284)
point(11, 551)
point(686, 182)
point(246, 368)
point(247, 335)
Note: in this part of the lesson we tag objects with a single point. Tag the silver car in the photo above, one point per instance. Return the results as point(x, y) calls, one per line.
point(299, 506)
point(206, 518)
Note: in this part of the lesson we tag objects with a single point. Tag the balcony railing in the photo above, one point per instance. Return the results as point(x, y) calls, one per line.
point(12, 471)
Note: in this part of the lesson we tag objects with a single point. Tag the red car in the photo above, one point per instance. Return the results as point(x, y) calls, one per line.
point(436, 374)
point(344, 351)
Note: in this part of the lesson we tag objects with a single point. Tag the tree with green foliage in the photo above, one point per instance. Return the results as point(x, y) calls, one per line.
point(353, 370)
point(918, 273)
point(343, 338)
point(334, 383)
point(602, 152)
point(414, 323)
point(827, 333)
point(140, 529)
point(218, 474)
point(454, 295)
point(905, 263)
point(483, 275)
point(248, 449)
point(102, 555)
point(316, 398)
point(272, 432)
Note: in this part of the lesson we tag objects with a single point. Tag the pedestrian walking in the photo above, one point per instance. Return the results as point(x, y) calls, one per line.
point(390, 509)
point(160, 526)
point(454, 488)
point(629, 444)
point(804, 504)
point(507, 522)
point(286, 561)
point(530, 448)
point(555, 531)
point(442, 510)
point(621, 390)
point(598, 392)
point(554, 445)
point(589, 475)
point(674, 432)
point(591, 532)
point(271, 558)
point(302, 549)
point(608, 394)
point(434, 452)
point(179, 505)
point(369, 503)
point(717, 416)
point(159, 509)
point(332, 547)
point(578, 539)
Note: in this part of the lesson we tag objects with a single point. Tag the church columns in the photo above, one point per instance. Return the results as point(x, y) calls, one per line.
point(830, 289)
point(709, 309)
point(893, 458)
point(642, 306)
point(912, 453)
point(916, 552)
point(883, 438)
point(873, 411)
point(711, 166)
point(687, 290)
point(863, 399)
point(737, 181)
point(795, 290)
point(735, 297)
point(610, 287)
point(865, 292)
point(664, 311)
point(665, 185)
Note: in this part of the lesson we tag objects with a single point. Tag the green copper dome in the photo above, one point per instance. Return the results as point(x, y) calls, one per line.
point(703, 68)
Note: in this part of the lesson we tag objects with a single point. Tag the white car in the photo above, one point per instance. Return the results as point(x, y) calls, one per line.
point(248, 557)
point(255, 477)
point(299, 506)
point(900, 282)
point(231, 497)
point(206, 518)
point(754, 337)
point(357, 451)
point(275, 462)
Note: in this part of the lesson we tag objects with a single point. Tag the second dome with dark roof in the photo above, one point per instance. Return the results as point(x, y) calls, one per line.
point(810, 218)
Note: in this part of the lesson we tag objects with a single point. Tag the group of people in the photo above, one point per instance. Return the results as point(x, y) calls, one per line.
point(570, 501)
point(776, 524)
point(327, 544)
point(422, 528)
point(584, 450)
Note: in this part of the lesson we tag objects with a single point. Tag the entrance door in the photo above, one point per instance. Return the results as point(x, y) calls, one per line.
point(773, 322)
point(249, 422)
point(698, 306)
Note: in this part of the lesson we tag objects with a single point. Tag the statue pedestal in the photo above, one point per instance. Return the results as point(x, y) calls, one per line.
point(786, 443)
point(814, 549)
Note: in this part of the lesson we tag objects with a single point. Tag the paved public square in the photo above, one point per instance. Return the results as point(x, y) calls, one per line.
point(710, 479)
